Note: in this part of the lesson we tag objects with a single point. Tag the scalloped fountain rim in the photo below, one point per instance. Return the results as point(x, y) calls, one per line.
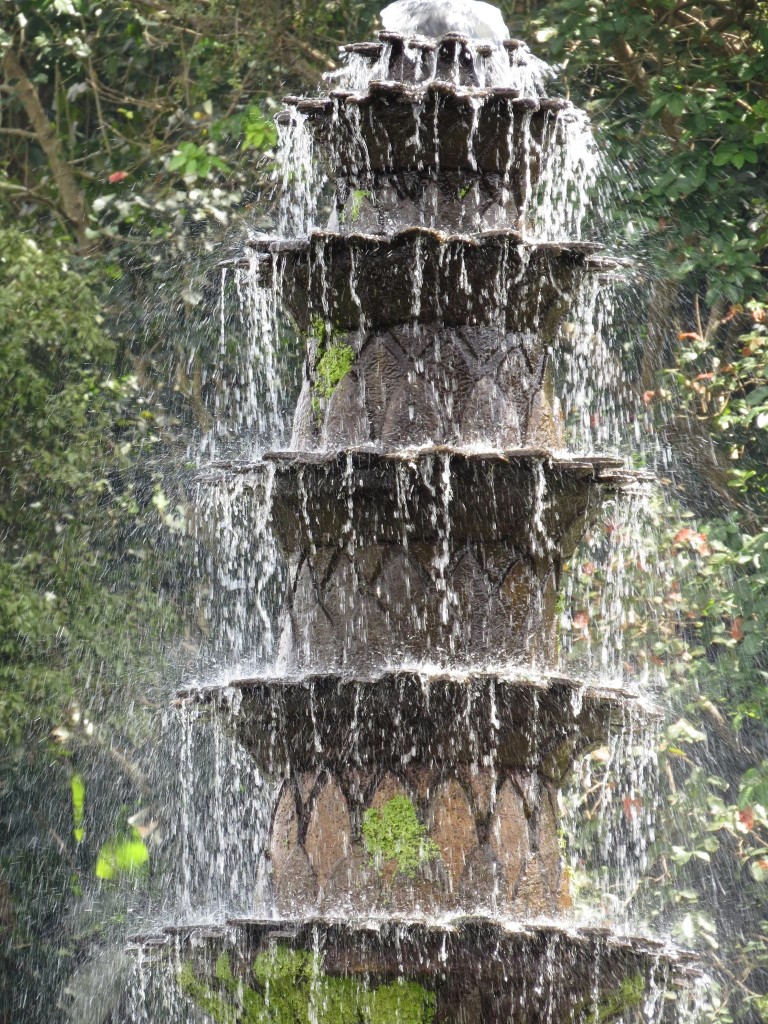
point(535, 681)
point(407, 92)
point(483, 49)
point(379, 719)
point(607, 469)
point(577, 937)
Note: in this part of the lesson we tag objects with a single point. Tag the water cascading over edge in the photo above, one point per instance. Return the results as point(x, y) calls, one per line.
point(415, 721)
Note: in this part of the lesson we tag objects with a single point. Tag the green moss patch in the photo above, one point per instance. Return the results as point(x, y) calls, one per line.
point(333, 365)
point(354, 206)
point(394, 834)
point(290, 987)
point(626, 996)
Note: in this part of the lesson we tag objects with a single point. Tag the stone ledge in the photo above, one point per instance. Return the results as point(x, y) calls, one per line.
point(533, 498)
point(420, 275)
point(304, 723)
point(278, 246)
point(383, 930)
point(479, 970)
point(399, 126)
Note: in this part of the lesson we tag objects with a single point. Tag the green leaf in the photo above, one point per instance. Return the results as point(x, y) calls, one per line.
point(78, 807)
point(683, 731)
point(657, 105)
point(258, 132)
point(122, 855)
point(723, 155)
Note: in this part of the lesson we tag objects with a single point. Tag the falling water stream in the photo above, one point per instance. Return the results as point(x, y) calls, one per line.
point(386, 748)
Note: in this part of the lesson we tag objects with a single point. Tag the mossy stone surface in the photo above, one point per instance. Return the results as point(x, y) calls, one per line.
point(394, 834)
point(286, 986)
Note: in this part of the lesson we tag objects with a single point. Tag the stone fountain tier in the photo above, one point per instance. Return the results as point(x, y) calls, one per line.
point(393, 127)
point(537, 501)
point(521, 722)
point(434, 556)
point(452, 58)
point(340, 282)
point(480, 758)
point(446, 337)
point(473, 971)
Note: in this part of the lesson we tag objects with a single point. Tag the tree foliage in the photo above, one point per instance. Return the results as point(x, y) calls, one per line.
point(75, 588)
point(680, 92)
point(153, 112)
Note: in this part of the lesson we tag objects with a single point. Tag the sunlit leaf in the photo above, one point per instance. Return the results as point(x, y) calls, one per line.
point(78, 806)
point(122, 855)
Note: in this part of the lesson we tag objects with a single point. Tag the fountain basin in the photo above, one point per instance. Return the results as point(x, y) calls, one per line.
point(478, 758)
point(472, 971)
point(401, 718)
point(419, 275)
point(535, 500)
point(396, 126)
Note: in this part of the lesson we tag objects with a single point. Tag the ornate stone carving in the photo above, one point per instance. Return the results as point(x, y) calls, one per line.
point(417, 385)
point(469, 604)
point(492, 853)
point(328, 836)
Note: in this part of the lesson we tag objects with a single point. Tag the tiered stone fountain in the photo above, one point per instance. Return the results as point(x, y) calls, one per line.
point(425, 518)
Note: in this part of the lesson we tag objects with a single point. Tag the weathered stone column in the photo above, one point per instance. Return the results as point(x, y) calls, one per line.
point(423, 512)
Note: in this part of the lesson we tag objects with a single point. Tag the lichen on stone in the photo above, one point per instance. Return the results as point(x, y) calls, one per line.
point(395, 835)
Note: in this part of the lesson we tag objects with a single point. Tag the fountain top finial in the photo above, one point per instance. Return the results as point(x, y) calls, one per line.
point(434, 18)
